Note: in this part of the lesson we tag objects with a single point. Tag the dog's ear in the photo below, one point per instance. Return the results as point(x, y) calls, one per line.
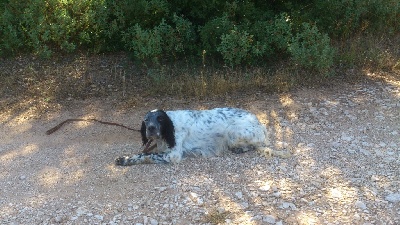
point(168, 130)
point(143, 133)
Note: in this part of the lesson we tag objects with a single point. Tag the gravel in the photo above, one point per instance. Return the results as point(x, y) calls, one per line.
point(344, 166)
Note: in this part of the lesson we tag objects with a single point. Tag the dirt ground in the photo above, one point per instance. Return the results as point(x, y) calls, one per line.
point(344, 167)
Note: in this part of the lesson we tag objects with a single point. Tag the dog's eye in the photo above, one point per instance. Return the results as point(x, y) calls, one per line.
point(146, 120)
point(160, 119)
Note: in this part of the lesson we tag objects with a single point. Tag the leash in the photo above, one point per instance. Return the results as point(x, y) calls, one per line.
point(147, 149)
point(54, 129)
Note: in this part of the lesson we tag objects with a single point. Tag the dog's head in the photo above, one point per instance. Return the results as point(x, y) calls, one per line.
point(157, 125)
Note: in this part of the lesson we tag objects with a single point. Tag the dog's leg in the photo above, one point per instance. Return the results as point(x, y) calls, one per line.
point(142, 158)
point(150, 158)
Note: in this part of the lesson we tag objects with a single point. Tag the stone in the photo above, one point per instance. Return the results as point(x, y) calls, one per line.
point(394, 197)
point(360, 205)
point(269, 219)
point(286, 205)
point(153, 221)
point(239, 195)
point(346, 137)
point(266, 187)
point(99, 217)
point(277, 194)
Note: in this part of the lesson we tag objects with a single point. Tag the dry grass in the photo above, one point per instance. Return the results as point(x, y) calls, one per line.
point(370, 52)
point(208, 82)
point(37, 85)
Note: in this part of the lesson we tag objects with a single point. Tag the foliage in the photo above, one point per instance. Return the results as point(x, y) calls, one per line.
point(342, 18)
point(44, 26)
point(240, 32)
point(212, 31)
point(236, 46)
point(312, 49)
point(163, 39)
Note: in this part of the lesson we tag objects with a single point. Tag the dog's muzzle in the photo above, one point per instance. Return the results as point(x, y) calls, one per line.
point(152, 132)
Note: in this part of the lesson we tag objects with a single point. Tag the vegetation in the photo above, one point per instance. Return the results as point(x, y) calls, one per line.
point(206, 47)
point(239, 32)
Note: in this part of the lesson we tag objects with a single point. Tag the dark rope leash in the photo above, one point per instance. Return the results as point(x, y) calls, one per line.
point(147, 148)
point(54, 129)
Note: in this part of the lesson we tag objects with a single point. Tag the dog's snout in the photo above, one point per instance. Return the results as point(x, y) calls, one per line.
point(151, 128)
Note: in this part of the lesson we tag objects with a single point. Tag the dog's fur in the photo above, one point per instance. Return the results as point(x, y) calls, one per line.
point(183, 133)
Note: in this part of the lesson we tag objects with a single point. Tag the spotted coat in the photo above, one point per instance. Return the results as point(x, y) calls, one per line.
point(183, 133)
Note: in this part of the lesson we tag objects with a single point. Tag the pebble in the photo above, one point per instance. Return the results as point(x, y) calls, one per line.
point(269, 219)
point(244, 205)
point(99, 217)
point(239, 195)
point(266, 187)
point(256, 218)
point(80, 211)
point(346, 137)
point(161, 189)
point(58, 219)
point(221, 210)
point(365, 152)
point(145, 219)
point(277, 194)
point(360, 205)
point(336, 144)
point(286, 205)
point(153, 221)
point(394, 198)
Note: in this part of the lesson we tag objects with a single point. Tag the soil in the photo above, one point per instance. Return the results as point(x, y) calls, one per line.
point(344, 167)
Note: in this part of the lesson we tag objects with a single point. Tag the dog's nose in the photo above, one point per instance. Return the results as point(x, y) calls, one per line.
point(151, 128)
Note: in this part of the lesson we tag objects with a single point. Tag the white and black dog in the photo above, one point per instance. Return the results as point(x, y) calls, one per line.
point(183, 133)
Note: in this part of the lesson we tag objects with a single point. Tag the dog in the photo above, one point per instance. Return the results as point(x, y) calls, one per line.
point(183, 133)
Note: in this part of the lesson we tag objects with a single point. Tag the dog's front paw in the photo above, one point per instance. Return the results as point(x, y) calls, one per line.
point(122, 161)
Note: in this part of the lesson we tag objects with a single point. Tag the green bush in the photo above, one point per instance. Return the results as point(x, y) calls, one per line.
point(145, 44)
point(342, 18)
point(273, 35)
point(311, 49)
point(162, 40)
point(280, 31)
point(212, 31)
point(241, 32)
point(45, 26)
point(10, 37)
point(146, 13)
point(236, 47)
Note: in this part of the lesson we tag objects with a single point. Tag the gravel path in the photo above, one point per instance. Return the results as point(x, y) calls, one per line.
point(344, 168)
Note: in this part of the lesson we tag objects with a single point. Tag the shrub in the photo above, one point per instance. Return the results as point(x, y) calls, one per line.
point(341, 18)
point(44, 26)
point(238, 31)
point(311, 49)
point(236, 47)
point(10, 36)
point(212, 31)
point(145, 44)
point(280, 32)
point(183, 38)
point(273, 35)
point(162, 40)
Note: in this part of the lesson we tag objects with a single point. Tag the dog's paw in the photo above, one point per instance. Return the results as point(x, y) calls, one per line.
point(122, 161)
